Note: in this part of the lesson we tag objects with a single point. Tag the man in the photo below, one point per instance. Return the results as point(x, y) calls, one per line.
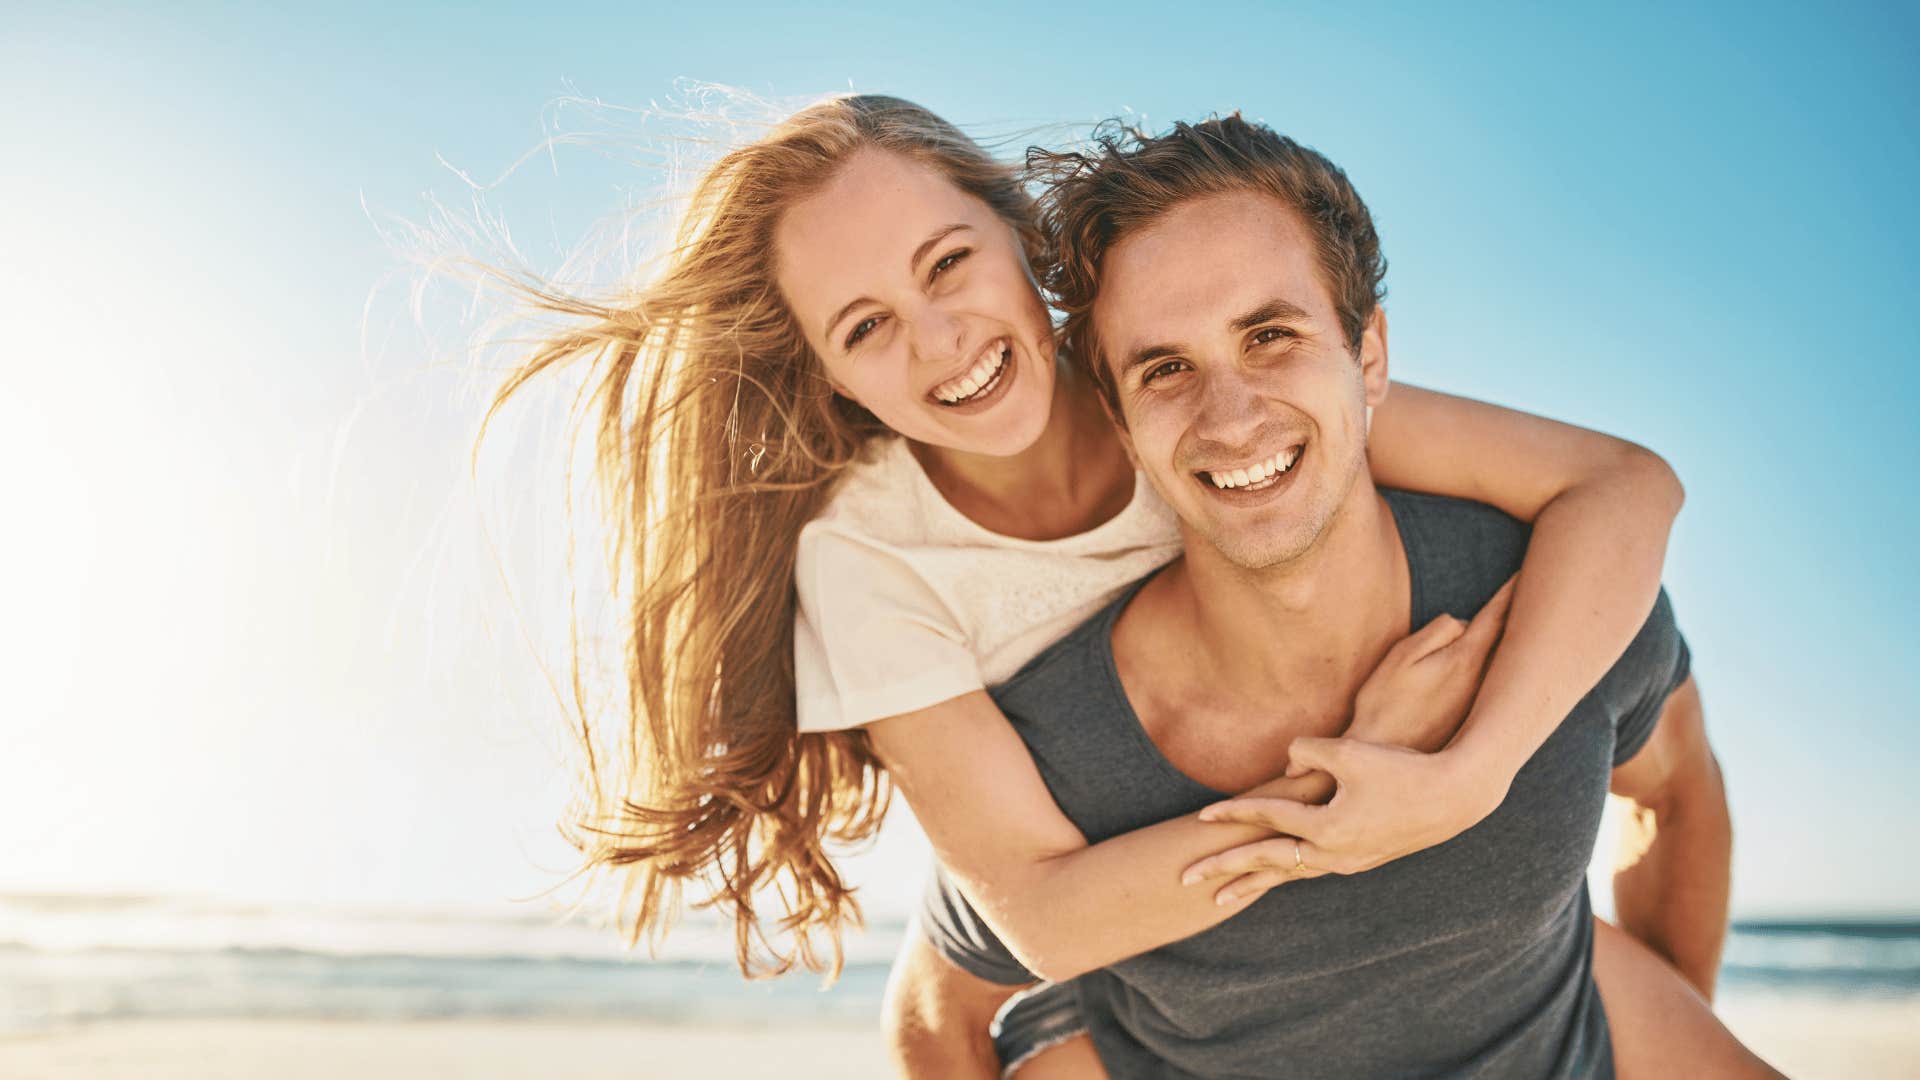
point(1221, 285)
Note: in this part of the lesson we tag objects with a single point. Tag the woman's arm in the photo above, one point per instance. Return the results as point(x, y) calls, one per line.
point(1063, 907)
point(1602, 509)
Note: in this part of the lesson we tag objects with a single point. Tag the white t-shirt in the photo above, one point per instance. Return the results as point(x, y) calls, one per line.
point(905, 602)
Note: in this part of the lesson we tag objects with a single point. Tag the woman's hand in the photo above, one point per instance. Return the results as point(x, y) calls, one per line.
point(1404, 713)
point(1421, 690)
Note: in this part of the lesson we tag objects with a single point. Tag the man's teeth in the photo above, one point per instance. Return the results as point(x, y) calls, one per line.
point(955, 391)
point(1256, 475)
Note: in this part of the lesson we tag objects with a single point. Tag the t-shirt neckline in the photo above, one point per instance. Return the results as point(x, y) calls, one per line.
point(1103, 625)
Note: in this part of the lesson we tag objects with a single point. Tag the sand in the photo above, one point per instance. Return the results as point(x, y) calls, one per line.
point(1810, 1040)
point(462, 1049)
point(1813, 1039)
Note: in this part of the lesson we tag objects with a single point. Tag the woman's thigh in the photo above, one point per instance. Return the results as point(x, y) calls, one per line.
point(1661, 1025)
point(1073, 1059)
point(1041, 1035)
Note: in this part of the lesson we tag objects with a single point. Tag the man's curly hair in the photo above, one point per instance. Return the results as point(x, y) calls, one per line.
point(1125, 179)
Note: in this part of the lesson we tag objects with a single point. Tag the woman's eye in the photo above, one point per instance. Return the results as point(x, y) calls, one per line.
point(948, 261)
point(1270, 334)
point(866, 327)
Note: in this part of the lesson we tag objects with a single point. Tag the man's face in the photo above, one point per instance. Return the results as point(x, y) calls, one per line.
point(1241, 399)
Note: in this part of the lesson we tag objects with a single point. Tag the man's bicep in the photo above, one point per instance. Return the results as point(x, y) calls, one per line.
point(1675, 754)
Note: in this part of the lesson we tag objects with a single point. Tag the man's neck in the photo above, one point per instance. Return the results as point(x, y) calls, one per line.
point(1311, 629)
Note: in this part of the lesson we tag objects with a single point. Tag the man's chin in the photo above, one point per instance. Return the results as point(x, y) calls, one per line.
point(1256, 550)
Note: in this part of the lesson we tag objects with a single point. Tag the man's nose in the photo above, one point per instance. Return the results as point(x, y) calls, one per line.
point(1230, 412)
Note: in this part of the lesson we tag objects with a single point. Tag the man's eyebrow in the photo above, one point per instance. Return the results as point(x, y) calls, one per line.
point(918, 254)
point(1142, 357)
point(1272, 310)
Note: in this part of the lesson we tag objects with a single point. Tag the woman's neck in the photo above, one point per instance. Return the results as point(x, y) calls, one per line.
point(1074, 477)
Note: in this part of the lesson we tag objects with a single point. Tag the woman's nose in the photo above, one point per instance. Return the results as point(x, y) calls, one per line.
point(936, 335)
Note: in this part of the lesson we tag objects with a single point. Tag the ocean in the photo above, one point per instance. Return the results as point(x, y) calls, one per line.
point(68, 960)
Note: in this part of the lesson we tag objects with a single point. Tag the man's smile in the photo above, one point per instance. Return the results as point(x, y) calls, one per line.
point(1255, 483)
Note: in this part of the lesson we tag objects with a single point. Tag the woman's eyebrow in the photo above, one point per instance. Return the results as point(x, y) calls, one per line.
point(927, 244)
point(842, 313)
point(919, 253)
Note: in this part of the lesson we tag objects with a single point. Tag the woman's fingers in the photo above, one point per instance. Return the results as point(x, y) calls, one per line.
point(1248, 886)
point(1262, 856)
point(1443, 631)
point(1492, 616)
point(1288, 816)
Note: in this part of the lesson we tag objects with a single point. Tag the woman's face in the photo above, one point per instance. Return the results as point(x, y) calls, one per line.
point(918, 299)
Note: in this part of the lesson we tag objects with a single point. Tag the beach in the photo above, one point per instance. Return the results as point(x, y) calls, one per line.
point(168, 987)
point(1806, 1038)
point(464, 1049)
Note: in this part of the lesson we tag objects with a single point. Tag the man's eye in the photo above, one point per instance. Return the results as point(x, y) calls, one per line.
point(1268, 334)
point(948, 261)
point(866, 327)
point(1171, 367)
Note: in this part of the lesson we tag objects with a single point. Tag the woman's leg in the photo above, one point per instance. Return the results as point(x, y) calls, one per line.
point(1040, 1035)
point(1073, 1059)
point(1661, 1025)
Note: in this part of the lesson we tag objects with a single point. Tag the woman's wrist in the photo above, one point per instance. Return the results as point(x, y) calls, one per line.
point(1479, 773)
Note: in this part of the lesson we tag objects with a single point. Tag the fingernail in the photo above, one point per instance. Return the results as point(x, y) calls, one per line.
point(1189, 878)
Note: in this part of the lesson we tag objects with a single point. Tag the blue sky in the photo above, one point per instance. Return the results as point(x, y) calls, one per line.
point(264, 651)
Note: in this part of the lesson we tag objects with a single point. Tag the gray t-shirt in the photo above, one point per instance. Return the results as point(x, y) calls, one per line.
point(1471, 958)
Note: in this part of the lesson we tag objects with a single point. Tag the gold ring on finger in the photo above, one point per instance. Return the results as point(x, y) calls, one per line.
point(1299, 864)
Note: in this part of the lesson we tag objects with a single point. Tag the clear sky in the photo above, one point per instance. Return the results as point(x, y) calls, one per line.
point(255, 646)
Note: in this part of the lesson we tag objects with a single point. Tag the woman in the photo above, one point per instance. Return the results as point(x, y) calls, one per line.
point(754, 386)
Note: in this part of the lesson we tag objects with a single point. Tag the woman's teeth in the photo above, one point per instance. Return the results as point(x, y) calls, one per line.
point(1254, 477)
point(977, 380)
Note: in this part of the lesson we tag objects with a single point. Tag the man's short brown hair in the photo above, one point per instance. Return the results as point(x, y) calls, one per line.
point(1126, 179)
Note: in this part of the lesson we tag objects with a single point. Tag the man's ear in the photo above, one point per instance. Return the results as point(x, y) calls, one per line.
point(1373, 360)
point(1126, 443)
point(1119, 428)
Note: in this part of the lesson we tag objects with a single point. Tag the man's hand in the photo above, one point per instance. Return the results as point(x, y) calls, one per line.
point(1408, 708)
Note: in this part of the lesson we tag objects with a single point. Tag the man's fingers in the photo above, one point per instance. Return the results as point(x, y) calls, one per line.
point(1281, 815)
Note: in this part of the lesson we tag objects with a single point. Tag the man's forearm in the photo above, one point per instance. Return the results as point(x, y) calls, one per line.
point(1674, 896)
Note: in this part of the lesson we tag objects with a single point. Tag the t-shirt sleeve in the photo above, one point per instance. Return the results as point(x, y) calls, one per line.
point(871, 637)
point(958, 933)
point(1635, 691)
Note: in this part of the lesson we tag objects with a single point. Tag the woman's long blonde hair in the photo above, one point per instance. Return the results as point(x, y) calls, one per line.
point(717, 438)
